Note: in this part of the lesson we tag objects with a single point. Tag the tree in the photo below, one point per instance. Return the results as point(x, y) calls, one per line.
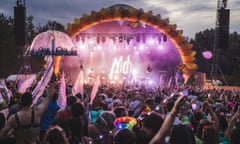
point(11, 56)
point(30, 29)
point(228, 59)
point(51, 25)
point(7, 44)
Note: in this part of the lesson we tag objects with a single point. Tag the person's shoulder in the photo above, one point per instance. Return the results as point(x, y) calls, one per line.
point(87, 139)
point(93, 130)
point(64, 114)
point(91, 126)
point(12, 117)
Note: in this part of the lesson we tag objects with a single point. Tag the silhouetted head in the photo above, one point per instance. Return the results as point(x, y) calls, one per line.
point(77, 109)
point(55, 135)
point(124, 136)
point(26, 99)
point(71, 100)
point(182, 134)
point(55, 97)
point(210, 135)
point(150, 123)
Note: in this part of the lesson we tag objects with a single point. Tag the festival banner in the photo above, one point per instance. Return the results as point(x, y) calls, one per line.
point(94, 90)
point(78, 85)
point(62, 100)
point(39, 89)
point(23, 85)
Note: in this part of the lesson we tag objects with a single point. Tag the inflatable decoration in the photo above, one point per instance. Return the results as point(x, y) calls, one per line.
point(125, 122)
point(52, 43)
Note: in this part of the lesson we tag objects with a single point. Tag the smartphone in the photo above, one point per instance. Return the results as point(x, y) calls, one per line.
point(165, 101)
point(195, 107)
point(209, 95)
point(185, 92)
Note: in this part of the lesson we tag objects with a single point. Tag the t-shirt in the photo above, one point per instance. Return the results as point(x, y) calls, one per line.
point(224, 140)
point(47, 118)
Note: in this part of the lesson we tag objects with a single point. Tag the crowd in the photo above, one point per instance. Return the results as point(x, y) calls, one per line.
point(183, 115)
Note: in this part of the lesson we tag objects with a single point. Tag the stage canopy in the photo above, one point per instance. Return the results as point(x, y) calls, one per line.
point(122, 42)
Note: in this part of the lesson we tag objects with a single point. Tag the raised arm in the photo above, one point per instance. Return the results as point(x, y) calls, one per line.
point(167, 124)
point(213, 114)
point(232, 123)
point(50, 91)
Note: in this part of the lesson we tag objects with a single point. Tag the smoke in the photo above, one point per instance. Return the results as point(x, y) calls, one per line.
point(98, 56)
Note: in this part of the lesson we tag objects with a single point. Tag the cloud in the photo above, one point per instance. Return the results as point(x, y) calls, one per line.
point(190, 16)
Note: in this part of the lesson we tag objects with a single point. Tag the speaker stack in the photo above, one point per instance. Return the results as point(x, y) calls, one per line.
point(223, 28)
point(19, 25)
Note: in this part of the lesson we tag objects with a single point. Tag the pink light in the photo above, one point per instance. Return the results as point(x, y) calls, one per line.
point(82, 46)
point(207, 54)
point(160, 47)
point(150, 82)
point(91, 41)
point(134, 72)
point(151, 41)
point(99, 47)
point(141, 47)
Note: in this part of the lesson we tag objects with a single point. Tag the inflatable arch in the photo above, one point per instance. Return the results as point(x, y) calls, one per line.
point(125, 12)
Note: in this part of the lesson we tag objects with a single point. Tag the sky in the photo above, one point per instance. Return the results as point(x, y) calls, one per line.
point(191, 16)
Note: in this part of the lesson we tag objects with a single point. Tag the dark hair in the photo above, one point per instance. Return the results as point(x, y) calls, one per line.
point(235, 136)
point(182, 134)
point(152, 121)
point(169, 105)
point(201, 126)
point(71, 100)
point(120, 111)
point(79, 95)
point(150, 102)
point(210, 135)
point(198, 116)
point(54, 136)
point(55, 97)
point(77, 109)
point(124, 136)
point(26, 99)
point(223, 124)
point(76, 129)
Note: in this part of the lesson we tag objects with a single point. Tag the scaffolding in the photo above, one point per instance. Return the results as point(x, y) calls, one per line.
point(216, 72)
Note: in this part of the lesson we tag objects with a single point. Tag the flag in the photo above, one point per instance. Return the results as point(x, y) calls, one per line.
point(161, 81)
point(78, 85)
point(62, 100)
point(169, 82)
point(26, 83)
point(94, 90)
point(39, 89)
